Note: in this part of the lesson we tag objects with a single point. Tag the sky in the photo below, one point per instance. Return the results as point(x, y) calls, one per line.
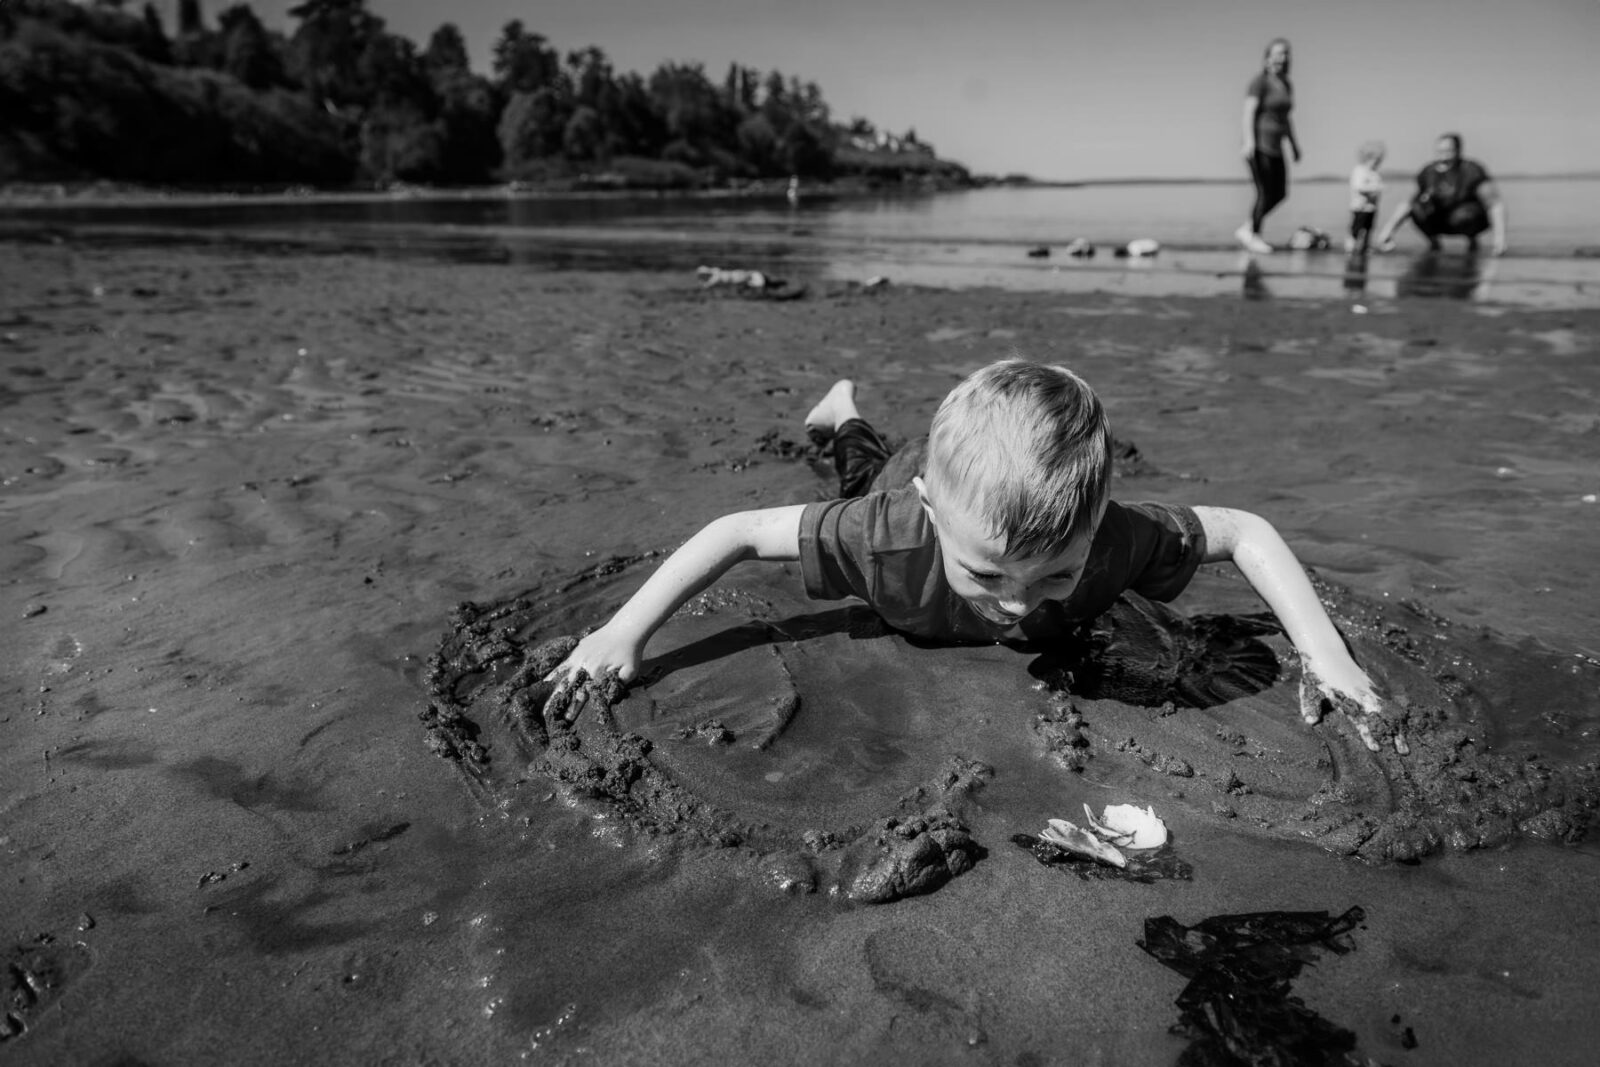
point(1093, 89)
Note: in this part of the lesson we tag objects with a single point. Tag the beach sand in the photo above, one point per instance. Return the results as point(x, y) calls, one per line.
point(243, 493)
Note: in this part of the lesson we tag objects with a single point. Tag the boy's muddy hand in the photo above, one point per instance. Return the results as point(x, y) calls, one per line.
point(1358, 700)
point(570, 694)
point(574, 690)
point(600, 666)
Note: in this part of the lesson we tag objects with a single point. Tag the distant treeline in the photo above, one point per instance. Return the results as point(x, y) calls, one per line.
point(95, 92)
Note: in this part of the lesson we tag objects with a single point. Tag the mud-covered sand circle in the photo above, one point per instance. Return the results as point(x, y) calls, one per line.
point(709, 748)
point(1448, 772)
point(841, 756)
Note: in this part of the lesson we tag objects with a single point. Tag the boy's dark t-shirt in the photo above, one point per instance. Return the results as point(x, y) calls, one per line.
point(881, 547)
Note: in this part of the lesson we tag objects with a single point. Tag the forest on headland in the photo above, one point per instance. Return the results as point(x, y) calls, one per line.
point(95, 92)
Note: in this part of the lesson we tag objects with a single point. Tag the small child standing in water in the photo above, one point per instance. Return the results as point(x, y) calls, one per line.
point(998, 527)
point(1366, 186)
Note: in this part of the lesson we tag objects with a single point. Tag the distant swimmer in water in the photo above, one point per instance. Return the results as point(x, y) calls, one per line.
point(997, 528)
point(794, 190)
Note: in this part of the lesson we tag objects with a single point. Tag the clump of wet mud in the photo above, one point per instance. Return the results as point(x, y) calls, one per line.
point(1203, 703)
point(487, 678)
point(903, 857)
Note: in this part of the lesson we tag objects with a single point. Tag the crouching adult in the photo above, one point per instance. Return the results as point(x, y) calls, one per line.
point(1454, 197)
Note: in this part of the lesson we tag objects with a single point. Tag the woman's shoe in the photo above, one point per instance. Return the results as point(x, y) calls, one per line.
point(1252, 241)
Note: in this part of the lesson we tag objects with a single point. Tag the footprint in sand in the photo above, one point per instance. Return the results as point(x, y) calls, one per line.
point(32, 978)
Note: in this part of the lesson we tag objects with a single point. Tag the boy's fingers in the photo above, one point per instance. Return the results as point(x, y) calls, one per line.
point(1361, 714)
point(572, 688)
point(568, 695)
point(1365, 731)
point(564, 671)
point(1311, 700)
point(580, 697)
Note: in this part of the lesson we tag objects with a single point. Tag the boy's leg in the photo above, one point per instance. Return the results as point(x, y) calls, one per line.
point(859, 453)
point(837, 407)
point(1361, 229)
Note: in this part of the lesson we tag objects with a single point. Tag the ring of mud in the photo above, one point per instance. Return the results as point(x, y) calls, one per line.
point(802, 736)
point(486, 681)
point(1450, 771)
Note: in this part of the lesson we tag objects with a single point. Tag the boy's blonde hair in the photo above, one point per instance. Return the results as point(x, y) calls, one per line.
point(1027, 447)
point(1371, 152)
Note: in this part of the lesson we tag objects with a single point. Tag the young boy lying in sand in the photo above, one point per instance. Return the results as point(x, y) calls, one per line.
point(997, 528)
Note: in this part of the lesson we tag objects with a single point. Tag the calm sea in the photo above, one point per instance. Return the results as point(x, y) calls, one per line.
point(959, 239)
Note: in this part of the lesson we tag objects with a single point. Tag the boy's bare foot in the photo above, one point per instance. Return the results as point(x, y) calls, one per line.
point(837, 407)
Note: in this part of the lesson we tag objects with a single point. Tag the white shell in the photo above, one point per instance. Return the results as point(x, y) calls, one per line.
point(1078, 841)
point(1129, 826)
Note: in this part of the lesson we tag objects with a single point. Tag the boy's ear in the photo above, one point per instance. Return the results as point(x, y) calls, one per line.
point(922, 495)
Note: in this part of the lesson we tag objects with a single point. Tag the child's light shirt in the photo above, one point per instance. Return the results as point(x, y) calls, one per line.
point(1366, 185)
point(882, 548)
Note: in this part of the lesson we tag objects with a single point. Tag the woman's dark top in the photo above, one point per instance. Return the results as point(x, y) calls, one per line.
point(1276, 100)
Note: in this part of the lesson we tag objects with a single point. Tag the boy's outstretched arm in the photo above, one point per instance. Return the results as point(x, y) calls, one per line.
point(1256, 548)
point(768, 534)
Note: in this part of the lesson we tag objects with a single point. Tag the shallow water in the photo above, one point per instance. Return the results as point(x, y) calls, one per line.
point(957, 240)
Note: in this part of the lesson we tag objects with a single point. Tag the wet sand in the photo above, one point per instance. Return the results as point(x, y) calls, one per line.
point(243, 494)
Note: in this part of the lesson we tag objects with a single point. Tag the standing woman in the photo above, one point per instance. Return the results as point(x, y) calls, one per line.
point(1267, 128)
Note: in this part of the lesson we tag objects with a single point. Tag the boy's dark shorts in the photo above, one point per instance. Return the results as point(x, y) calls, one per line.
point(866, 463)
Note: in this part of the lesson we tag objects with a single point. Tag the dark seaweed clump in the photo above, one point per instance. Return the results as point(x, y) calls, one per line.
point(1238, 1007)
point(1144, 865)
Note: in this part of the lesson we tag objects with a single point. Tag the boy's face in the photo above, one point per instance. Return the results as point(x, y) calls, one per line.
point(1002, 589)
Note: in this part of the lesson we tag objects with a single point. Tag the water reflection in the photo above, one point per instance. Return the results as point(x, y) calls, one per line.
point(1451, 276)
point(1355, 273)
point(1255, 284)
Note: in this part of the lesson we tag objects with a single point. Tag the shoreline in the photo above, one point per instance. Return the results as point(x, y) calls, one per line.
point(814, 268)
point(24, 193)
point(50, 194)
